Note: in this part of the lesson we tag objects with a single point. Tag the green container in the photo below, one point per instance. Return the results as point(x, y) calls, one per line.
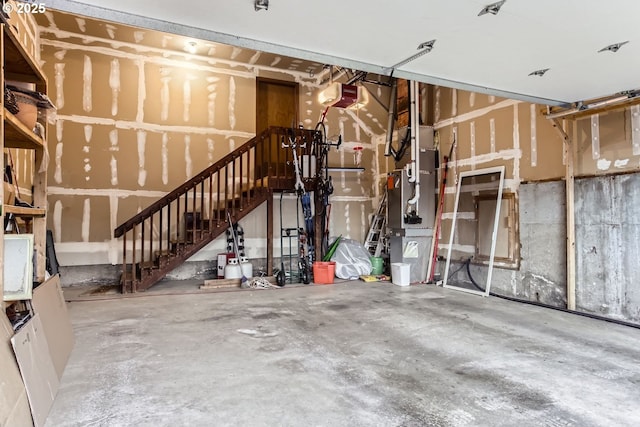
point(377, 265)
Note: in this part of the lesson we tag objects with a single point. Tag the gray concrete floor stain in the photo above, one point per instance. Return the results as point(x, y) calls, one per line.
point(349, 354)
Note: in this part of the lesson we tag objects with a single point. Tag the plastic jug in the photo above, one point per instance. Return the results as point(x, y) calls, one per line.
point(246, 267)
point(233, 270)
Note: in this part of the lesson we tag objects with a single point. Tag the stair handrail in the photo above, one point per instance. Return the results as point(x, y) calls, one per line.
point(201, 176)
point(188, 185)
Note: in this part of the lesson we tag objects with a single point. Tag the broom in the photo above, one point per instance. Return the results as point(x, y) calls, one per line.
point(243, 280)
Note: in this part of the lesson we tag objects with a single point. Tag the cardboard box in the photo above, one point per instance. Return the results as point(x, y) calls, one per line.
point(36, 367)
point(9, 194)
point(14, 405)
point(48, 302)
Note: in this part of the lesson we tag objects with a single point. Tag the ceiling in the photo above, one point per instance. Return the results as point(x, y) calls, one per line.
point(98, 32)
point(492, 54)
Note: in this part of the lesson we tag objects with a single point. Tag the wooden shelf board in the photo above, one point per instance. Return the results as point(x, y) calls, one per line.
point(17, 135)
point(17, 61)
point(27, 212)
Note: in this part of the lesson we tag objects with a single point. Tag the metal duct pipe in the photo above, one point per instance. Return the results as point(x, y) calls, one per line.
point(391, 116)
point(414, 176)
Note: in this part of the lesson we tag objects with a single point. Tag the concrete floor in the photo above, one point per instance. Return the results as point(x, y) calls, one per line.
point(350, 354)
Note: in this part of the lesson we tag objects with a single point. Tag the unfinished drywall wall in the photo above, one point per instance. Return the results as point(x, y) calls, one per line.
point(489, 132)
point(138, 114)
point(607, 143)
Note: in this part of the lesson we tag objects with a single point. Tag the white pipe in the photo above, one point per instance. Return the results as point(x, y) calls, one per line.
point(414, 176)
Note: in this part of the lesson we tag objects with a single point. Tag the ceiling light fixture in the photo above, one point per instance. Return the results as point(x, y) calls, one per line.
point(492, 8)
point(261, 5)
point(191, 47)
point(539, 73)
point(613, 47)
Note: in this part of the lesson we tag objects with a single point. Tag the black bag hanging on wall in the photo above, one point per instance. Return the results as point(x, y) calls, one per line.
point(52, 260)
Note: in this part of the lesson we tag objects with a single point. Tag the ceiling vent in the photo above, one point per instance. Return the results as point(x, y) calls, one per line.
point(261, 5)
point(492, 8)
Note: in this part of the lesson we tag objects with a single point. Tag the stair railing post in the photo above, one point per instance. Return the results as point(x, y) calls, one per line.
point(161, 234)
point(169, 227)
point(151, 257)
point(194, 215)
point(210, 203)
point(218, 199)
point(201, 219)
point(234, 183)
point(178, 225)
point(124, 264)
point(134, 272)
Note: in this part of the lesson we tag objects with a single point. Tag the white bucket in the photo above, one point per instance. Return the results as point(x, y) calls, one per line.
point(400, 273)
point(222, 263)
point(233, 270)
point(247, 267)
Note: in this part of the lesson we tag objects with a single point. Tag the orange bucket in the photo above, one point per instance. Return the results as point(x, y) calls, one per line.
point(324, 272)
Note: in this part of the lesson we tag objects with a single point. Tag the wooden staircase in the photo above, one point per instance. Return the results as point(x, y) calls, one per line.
point(175, 227)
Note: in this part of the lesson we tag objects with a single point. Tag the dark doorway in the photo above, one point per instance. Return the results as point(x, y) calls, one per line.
point(276, 105)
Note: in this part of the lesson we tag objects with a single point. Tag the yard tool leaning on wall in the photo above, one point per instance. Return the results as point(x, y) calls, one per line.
point(433, 254)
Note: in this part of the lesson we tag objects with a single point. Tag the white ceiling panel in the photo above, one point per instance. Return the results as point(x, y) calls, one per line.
point(489, 53)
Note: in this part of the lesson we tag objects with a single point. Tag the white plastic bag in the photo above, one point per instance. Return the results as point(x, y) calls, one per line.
point(352, 259)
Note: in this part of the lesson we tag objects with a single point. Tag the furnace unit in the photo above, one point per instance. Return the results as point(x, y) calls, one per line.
point(411, 216)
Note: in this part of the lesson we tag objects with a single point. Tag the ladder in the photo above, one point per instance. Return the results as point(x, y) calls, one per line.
point(375, 238)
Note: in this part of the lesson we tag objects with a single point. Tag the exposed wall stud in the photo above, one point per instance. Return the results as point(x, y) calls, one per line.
point(635, 129)
point(534, 136)
point(595, 136)
point(492, 134)
point(472, 130)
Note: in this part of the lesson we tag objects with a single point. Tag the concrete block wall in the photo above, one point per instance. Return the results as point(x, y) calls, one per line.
point(542, 273)
point(608, 245)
